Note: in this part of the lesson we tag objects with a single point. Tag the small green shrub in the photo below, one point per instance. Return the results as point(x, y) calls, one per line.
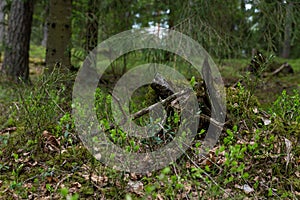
point(35, 108)
point(40, 106)
point(241, 105)
point(285, 113)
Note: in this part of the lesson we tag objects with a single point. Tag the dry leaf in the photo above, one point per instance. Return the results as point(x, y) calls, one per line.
point(136, 187)
point(159, 197)
point(99, 180)
point(288, 145)
point(133, 176)
point(246, 188)
point(51, 142)
point(76, 184)
point(255, 110)
point(187, 187)
point(266, 121)
point(226, 194)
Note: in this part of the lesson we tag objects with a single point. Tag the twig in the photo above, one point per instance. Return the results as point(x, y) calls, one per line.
point(31, 178)
point(10, 129)
point(277, 70)
point(212, 120)
point(62, 180)
point(120, 106)
point(55, 102)
point(273, 190)
point(149, 108)
point(211, 178)
point(163, 102)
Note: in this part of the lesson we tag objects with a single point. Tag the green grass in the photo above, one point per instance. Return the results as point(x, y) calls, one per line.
point(37, 52)
point(251, 151)
point(267, 89)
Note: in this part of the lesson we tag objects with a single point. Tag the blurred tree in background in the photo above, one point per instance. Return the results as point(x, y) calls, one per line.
point(58, 50)
point(225, 30)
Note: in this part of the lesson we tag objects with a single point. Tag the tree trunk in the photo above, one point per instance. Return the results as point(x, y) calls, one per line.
point(59, 33)
point(2, 20)
point(287, 31)
point(16, 58)
point(45, 35)
point(45, 28)
point(2, 25)
point(92, 25)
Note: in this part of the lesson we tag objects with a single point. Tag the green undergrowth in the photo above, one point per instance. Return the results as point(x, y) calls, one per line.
point(267, 89)
point(41, 155)
point(37, 52)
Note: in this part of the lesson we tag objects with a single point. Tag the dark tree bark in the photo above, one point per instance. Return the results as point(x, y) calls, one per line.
point(2, 26)
point(59, 33)
point(16, 58)
point(2, 20)
point(287, 31)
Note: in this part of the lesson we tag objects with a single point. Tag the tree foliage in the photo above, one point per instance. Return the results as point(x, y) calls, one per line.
point(225, 30)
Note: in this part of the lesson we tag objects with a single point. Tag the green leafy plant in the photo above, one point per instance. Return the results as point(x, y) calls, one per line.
point(65, 194)
point(240, 105)
point(40, 106)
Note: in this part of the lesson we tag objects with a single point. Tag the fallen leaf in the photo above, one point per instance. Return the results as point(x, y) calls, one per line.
point(255, 110)
point(246, 188)
point(76, 184)
point(99, 180)
point(227, 193)
point(288, 145)
point(133, 176)
point(136, 187)
point(50, 141)
point(159, 197)
point(266, 121)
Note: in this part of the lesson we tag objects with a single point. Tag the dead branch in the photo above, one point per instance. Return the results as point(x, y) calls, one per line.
point(212, 120)
point(170, 98)
point(146, 110)
point(121, 108)
point(282, 67)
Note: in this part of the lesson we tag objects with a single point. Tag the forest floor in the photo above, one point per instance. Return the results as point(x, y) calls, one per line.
point(257, 156)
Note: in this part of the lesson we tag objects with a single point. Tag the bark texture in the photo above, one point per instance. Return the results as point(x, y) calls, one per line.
point(59, 35)
point(2, 26)
point(287, 31)
point(2, 20)
point(16, 58)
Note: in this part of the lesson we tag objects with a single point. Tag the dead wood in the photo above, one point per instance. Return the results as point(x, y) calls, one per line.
point(284, 67)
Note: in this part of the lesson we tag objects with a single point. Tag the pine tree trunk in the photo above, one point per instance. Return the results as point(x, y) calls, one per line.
point(16, 58)
point(2, 26)
point(59, 33)
point(287, 31)
point(2, 21)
